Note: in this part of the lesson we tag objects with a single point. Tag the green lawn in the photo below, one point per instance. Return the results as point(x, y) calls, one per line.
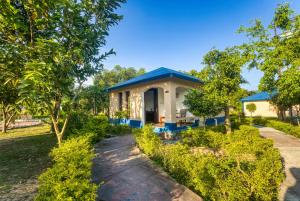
point(24, 154)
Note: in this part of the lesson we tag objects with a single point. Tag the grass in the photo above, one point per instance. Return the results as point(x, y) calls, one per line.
point(24, 154)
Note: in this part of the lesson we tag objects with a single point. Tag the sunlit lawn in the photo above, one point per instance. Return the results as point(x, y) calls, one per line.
point(24, 154)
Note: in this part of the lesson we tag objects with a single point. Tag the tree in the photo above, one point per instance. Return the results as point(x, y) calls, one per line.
point(62, 42)
point(108, 78)
point(223, 78)
point(93, 98)
point(275, 51)
point(11, 65)
point(200, 104)
point(251, 108)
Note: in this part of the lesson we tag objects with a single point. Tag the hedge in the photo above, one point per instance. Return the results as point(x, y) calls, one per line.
point(70, 176)
point(279, 125)
point(284, 127)
point(239, 166)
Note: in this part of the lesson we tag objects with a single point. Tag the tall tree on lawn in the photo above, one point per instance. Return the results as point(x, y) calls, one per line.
point(62, 43)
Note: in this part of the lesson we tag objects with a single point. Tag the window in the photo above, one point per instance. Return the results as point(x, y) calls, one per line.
point(127, 102)
point(120, 101)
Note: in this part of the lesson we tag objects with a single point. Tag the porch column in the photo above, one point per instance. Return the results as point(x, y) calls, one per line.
point(170, 106)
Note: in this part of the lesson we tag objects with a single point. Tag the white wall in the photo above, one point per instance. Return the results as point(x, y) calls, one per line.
point(166, 98)
point(161, 103)
point(263, 108)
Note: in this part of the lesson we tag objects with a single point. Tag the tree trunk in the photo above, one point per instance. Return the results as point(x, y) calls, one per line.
point(4, 122)
point(59, 133)
point(291, 115)
point(227, 120)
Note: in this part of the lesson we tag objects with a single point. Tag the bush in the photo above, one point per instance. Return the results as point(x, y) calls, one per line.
point(284, 127)
point(76, 122)
point(247, 166)
point(147, 140)
point(260, 121)
point(70, 176)
point(119, 129)
point(199, 137)
point(98, 126)
point(279, 125)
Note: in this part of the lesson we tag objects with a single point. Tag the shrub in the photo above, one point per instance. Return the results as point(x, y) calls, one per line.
point(199, 137)
point(98, 125)
point(260, 121)
point(76, 122)
point(70, 176)
point(248, 168)
point(284, 127)
point(119, 129)
point(147, 140)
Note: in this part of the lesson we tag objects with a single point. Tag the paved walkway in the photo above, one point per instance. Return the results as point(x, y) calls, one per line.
point(289, 148)
point(130, 176)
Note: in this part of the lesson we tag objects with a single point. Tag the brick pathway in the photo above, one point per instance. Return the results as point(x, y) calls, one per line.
point(130, 176)
point(289, 148)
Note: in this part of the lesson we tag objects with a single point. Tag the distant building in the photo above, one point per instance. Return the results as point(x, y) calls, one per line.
point(263, 104)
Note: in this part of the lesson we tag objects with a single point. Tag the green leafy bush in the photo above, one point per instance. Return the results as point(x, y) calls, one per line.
point(121, 114)
point(98, 126)
point(284, 127)
point(245, 167)
point(70, 176)
point(147, 140)
point(77, 121)
point(200, 137)
point(279, 125)
point(119, 129)
point(260, 121)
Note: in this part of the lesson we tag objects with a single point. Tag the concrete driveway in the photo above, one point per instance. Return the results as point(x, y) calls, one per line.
point(289, 148)
point(128, 175)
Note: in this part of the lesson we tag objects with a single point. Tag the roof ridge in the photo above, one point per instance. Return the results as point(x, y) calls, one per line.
point(159, 73)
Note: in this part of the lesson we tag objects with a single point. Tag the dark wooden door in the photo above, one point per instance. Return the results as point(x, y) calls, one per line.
point(152, 114)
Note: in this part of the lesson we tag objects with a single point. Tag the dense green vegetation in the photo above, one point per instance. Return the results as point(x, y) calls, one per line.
point(274, 49)
point(49, 50)
point(239, 166)
point(70, 176)
point(279, 125)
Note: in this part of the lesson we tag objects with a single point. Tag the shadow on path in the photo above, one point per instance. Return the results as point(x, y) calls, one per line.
point(129, 175)
point(293, 192)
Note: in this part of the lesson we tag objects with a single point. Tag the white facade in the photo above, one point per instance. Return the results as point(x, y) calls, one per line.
point(170, 97)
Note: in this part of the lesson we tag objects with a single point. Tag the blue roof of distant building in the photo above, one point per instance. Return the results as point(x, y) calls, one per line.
point(155, 75)
point(258, 97)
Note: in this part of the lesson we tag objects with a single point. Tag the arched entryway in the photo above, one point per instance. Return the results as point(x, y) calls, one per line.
point(154, 105)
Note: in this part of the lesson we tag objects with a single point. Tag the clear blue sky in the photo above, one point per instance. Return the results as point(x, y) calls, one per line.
point(177, 33)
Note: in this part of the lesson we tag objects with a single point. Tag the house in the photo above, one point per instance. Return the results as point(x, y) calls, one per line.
point(155, 97)
point(264, 107)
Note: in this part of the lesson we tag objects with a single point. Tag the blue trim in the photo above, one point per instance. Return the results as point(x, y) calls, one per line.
point(171, 126)
point(211, 121)
point(159, 73)
point(131, 122)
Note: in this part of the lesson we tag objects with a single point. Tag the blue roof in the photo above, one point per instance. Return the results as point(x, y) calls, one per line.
point(258, 97)
point(155, 75)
